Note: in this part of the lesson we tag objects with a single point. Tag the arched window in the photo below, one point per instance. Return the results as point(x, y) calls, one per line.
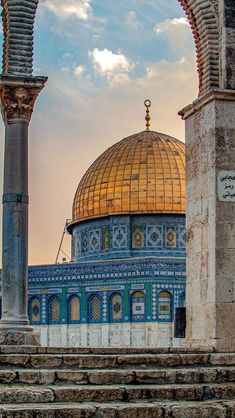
point(138, 306)
point(164, 306)
point(74, 309)
point(94, 308)
point(34, 310)
point(54, 309)
point(115, 307)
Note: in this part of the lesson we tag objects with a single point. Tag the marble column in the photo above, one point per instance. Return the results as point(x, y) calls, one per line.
point(17, 95)
point(210, 219)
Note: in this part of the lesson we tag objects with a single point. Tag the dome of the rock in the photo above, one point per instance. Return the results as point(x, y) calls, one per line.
point(143, 173)
point(127, 272)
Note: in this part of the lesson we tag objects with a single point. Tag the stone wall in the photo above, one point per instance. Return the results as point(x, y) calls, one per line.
point(210, 151)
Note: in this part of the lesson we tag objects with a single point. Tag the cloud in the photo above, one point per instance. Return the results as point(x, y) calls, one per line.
point(65, 9)
point(132, 20)
point(111, 65)
point(178, 35)
point(79, 70)
point(169, 24)
point(69, 131)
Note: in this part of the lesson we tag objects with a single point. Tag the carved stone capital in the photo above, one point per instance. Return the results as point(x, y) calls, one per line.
point(18, 95)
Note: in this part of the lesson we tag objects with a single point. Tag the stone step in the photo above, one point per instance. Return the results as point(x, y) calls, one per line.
point(118, 361)
point(80, 393)
point(208, 409)
point(12, 349)
point(117, 376)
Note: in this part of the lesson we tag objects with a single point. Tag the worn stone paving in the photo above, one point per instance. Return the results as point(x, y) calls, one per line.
point(116, 383)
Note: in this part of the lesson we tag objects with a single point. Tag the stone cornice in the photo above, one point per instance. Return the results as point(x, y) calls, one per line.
point(189, 110)
point(18, 95)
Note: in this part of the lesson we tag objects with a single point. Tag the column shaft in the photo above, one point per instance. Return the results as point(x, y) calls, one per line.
point(15, 225)
point(17, 95)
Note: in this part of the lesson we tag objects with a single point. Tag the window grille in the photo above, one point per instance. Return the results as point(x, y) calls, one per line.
point(54, 309)
point(116, 307)
point(94, 308)
point(74, 308)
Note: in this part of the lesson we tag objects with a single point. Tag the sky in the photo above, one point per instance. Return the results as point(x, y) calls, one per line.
point(103, 58)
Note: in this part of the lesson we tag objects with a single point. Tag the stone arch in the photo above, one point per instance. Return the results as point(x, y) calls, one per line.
point(18, 28)
point(203, 19)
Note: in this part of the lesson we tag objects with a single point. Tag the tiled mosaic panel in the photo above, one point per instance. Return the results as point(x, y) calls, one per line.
point(164, 305)
point(154, 236)
point(106, 239)
point(103, 235)
point(85, 243)
point(182, 237)
point(138, 306)
point(35, 310)
point(138, 237)
point(94, 240)
point(170, 237)
point(116, 308)
point(119, 238)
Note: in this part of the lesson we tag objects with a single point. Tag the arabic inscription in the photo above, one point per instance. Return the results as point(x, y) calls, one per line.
point(226, 186)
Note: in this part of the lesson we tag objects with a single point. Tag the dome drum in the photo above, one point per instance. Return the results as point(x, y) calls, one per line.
point(124, 236)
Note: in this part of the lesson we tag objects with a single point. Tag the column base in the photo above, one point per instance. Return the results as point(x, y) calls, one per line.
point(17, 333)
point(17, 337)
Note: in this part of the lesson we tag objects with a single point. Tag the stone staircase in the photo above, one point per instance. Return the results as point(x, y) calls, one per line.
point(116, 383)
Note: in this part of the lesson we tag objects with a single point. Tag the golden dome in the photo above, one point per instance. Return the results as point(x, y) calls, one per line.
point(143, 173)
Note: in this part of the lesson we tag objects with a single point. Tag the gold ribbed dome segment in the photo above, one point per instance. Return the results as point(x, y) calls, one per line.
point(144, 173)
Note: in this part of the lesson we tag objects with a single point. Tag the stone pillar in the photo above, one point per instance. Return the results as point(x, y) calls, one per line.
point(17, 95)
point(210, 218)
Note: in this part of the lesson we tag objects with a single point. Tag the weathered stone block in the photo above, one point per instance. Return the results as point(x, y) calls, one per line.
point(14, 359)
point(90, 361)
point(168, 360)
point(12, 349)
point(189, 359)
point(72, 376)
point(46, 360)
point(224, 391)
point(27, 394)
point(49, 411)
point(220, 359)
point(188, 393)
point(149, 392)
point(7, 376)
point(198, 411)
point(152, 376)
point(110, 377)
point(88, 394)
point(140, 411)
point(44, 377)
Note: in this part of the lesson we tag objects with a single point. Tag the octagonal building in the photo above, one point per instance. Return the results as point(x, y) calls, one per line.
point(127, 271)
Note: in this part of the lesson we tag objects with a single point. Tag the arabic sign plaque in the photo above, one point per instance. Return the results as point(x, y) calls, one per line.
point(226, 186)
